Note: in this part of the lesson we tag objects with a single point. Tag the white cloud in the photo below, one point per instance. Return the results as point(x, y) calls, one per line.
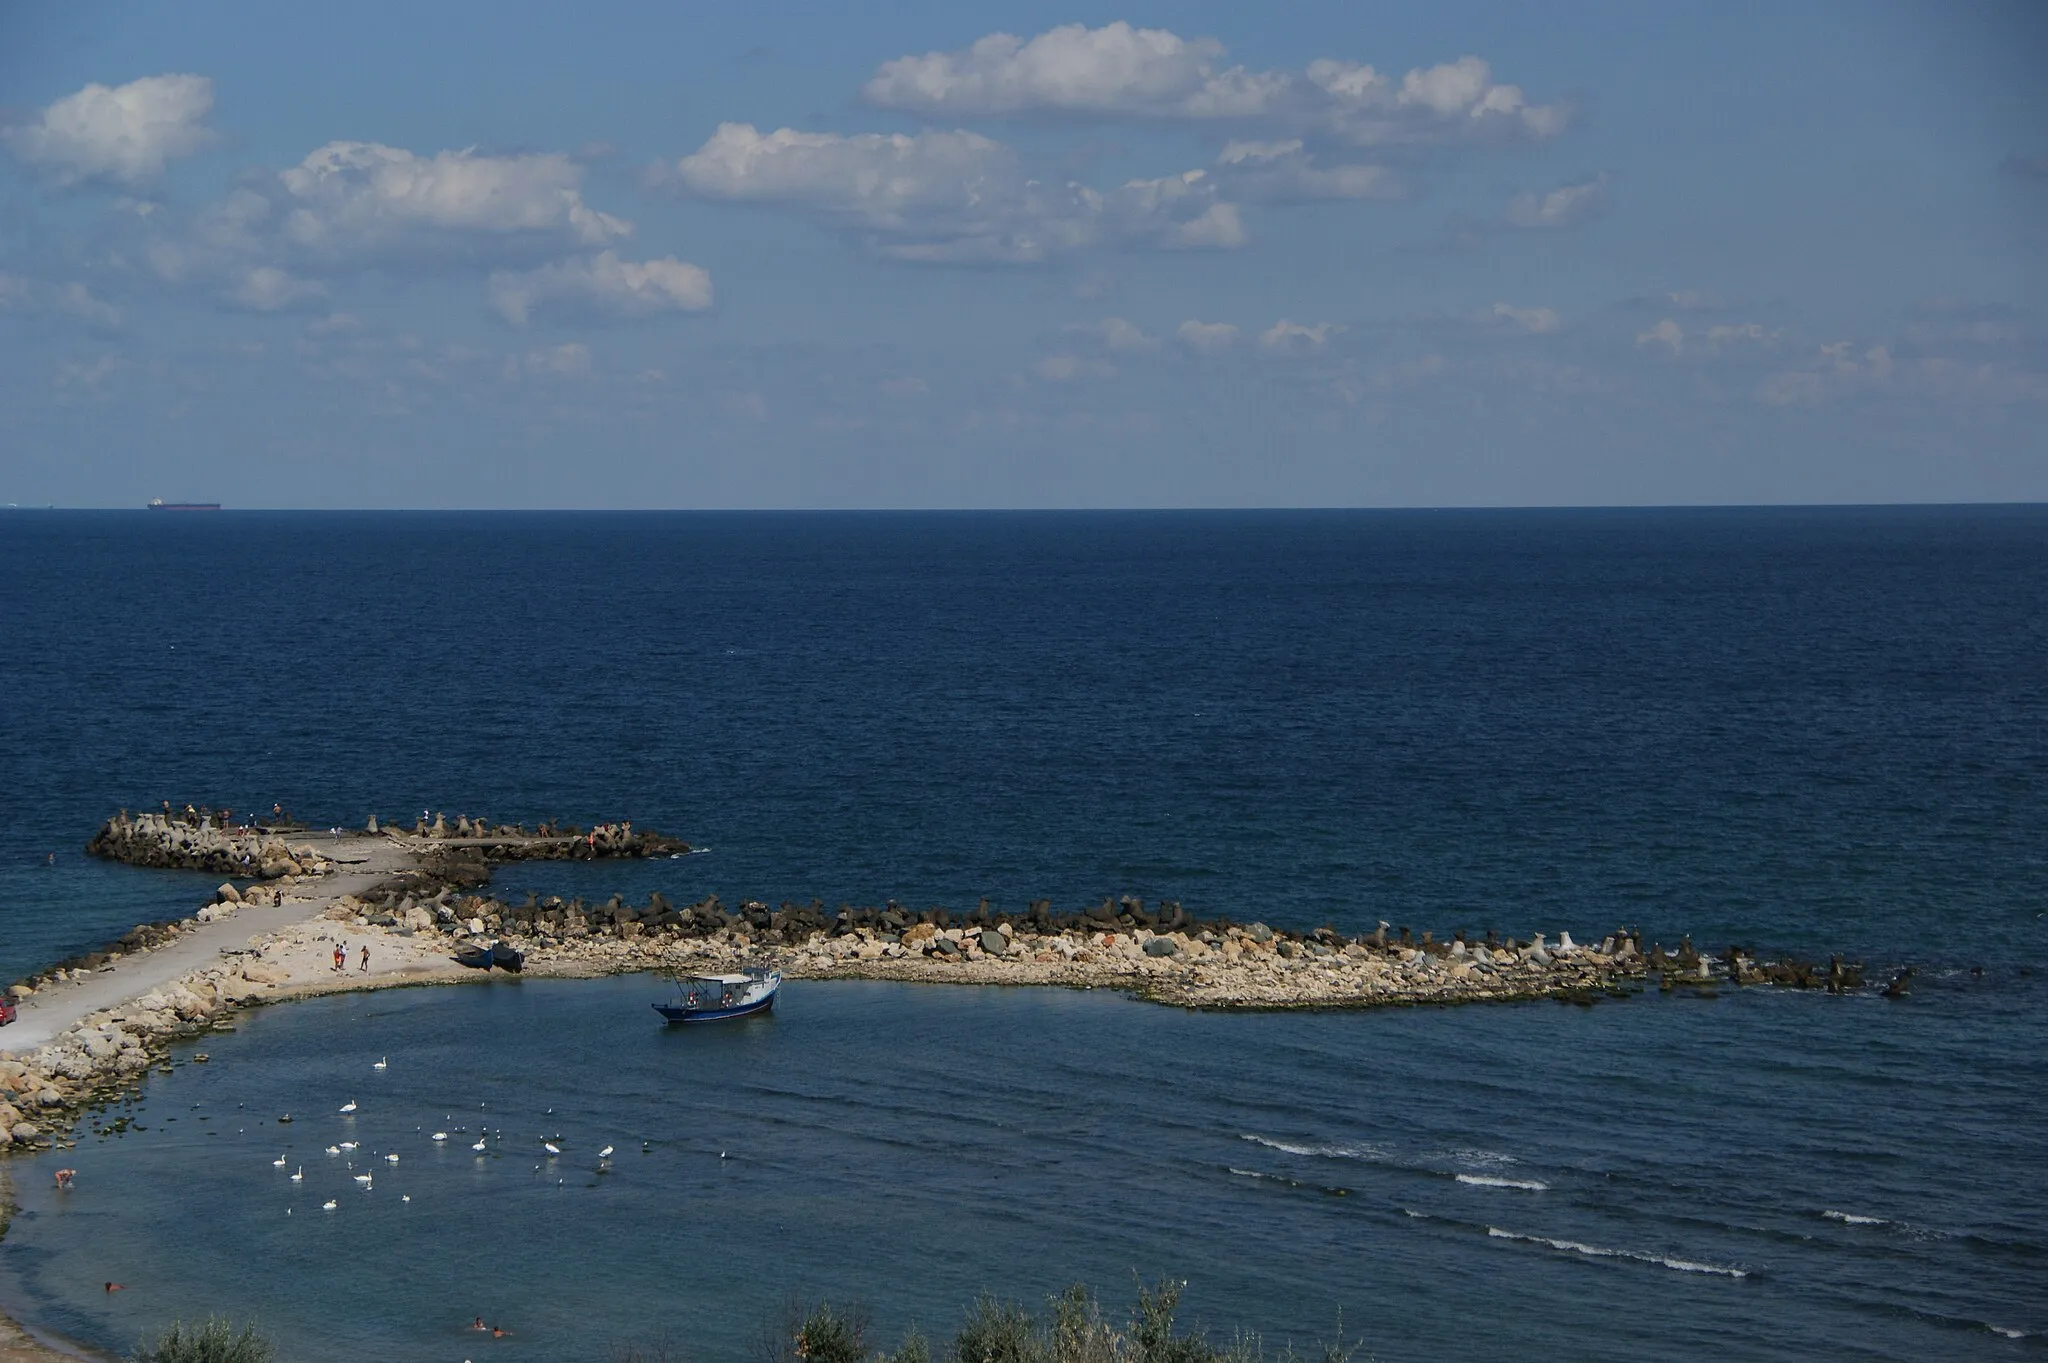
point(1535, 321)
point(1283, 172)
point(1666, 333)
point(122, 135)
point(266, 288)
point(1065, 368)
point(1286, 337)
point(601, 284)
point(952, 197)
point(20, 294)
point(1208, 337)
point(570, 360)
point(1718, 338)
point(1742, 333)
point(363, 198)
point(1121, 71)
point(1118, 334)
point(1565, 206)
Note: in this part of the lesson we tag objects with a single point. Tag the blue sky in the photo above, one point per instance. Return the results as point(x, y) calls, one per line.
point(610, 255)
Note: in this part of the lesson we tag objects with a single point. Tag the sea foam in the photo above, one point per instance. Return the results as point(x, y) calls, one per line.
point(1600, 1252)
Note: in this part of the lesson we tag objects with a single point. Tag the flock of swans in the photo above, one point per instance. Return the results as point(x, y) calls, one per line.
point(488, 1144)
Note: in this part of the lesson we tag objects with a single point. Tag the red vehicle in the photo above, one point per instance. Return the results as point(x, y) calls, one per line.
point(6, 1010)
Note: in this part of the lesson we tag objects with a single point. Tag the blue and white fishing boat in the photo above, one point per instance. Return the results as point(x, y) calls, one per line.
point(716, 998)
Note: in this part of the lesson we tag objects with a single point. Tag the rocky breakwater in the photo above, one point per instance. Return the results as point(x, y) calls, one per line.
point(198, 843)
point(548, 841)
point(98, 1061)
point(1161, 955)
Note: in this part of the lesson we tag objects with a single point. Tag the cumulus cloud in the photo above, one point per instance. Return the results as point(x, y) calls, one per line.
point(570, 360)
point(602, 284)
point(1535, 321)
point(1207, 337)
point(363, 198)
point(120, 135)
point(1712, 340)
point(266, 288)
point(1065, 368)
point(1666, 333)
point(20, 294)
point(1566, 206)
point(952, 197)
point(1118, 334)
point(1121, 71)
point(1282, 172)
point(1288, 337)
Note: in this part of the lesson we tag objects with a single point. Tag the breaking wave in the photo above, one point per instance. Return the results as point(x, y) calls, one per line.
point(1533, 1185)
point(1599, 1252)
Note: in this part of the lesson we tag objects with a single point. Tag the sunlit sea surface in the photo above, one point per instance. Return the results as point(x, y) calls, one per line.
point(1802, 730)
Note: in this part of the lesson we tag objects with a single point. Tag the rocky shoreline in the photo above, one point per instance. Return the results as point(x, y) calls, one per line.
point(414, 920)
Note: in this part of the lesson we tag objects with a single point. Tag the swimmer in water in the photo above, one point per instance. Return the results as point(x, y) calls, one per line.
point(64, 1177)
point(117, 1287)
point(479, 1324)
point(499, 1332)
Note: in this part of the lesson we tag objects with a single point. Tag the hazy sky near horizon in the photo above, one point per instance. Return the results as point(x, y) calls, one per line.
point(476, 254)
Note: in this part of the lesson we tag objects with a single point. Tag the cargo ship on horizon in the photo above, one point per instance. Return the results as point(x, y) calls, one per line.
point(159, 504)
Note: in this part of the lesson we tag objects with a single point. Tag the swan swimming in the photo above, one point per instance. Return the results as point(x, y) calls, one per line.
point(363, 1179)
point(479, 1146)
point(333, 1149)
point(551, 1147)
point(392, 1158)
point(328, 1205)
point(349, 1106)
point(440, 1135)
point(605, 1153)
point(348, 1145)
point(382, 1064)
point(300, 1176)
point(277, 1163)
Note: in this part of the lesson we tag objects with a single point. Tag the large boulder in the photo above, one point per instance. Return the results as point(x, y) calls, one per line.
point(1162, 946)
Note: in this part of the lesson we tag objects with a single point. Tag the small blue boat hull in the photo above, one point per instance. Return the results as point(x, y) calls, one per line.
point(677, 1012)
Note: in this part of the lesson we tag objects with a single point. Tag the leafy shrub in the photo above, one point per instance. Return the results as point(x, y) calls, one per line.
point(214, 1342)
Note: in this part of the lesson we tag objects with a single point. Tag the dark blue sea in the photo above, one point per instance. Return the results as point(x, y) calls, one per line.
point(1804, 730)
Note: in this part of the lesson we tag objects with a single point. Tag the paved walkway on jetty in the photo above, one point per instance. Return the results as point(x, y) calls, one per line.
point(365, 861)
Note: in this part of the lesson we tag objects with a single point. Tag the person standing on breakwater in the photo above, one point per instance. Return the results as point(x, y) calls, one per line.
point(340, 957)
point(365, 967)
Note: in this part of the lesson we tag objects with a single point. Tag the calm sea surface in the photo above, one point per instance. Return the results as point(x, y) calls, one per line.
point(1809, 730)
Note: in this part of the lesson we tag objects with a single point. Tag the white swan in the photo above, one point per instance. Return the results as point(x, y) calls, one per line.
point(277, 1163)
point(333, 1149)
point(405, 1197)
point(349, 1106)
point(382, 1064)
point(391, 1159)
point(440, 1135)
point(605, 1153)
point(551, 1147)
point(300, 1176)
point(348, 1145)
point(328, 1205)
point(479, 1146)
point(363, 1179)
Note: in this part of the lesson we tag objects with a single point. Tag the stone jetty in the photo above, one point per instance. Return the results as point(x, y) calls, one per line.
point(410, 899)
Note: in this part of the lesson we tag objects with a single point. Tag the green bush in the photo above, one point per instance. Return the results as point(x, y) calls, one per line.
point(214, 1342)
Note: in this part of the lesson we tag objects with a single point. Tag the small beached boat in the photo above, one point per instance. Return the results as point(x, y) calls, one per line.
point(499, 954)
point(716, 998)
